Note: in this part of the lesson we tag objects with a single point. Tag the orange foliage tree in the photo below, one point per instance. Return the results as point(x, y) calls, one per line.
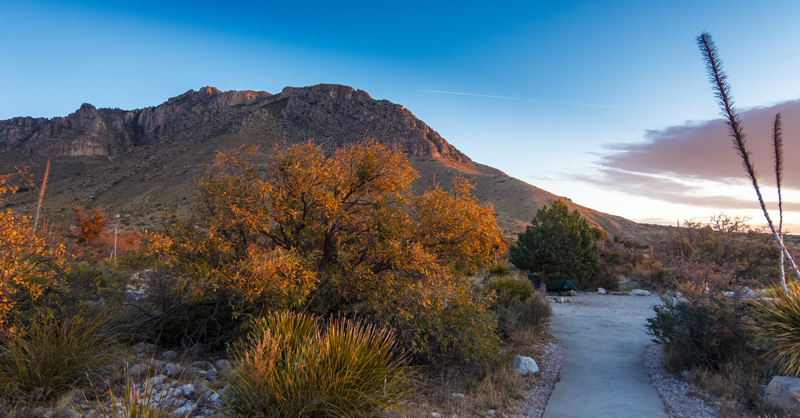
point(92, 224)
point(330, 233)
point(29, 262)
point(97, 237)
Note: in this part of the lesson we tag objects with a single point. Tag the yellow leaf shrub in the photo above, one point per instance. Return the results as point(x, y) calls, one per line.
point(28, 262)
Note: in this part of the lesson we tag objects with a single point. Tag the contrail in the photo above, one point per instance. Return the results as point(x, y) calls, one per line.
point(526, 100)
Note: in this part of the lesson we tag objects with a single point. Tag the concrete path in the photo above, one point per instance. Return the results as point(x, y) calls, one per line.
point(602, 375)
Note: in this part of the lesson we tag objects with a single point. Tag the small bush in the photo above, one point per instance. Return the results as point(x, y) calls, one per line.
point(292, 367)
point(442, 323)
point(704, 331)
point(499, 269)
point(778, 321)
point(52, 356)
point(508, 288)
point(518, 305)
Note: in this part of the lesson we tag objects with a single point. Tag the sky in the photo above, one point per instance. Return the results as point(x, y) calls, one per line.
point(606, 103)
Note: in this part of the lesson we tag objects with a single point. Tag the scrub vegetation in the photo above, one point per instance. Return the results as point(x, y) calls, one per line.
point(728, 337)
point(332, 287)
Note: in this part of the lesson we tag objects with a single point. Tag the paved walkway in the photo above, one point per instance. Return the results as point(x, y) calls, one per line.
point(602, 375)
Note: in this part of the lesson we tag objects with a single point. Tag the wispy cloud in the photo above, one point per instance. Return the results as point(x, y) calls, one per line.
point(677, 164)
point(522, 99)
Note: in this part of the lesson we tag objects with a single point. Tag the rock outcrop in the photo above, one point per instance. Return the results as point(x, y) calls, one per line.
point(331, 114)
point(146, 161)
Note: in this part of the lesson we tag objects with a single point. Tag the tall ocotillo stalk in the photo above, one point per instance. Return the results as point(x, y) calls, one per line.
point(722, 91)
point(777, 147)
point(41, 198)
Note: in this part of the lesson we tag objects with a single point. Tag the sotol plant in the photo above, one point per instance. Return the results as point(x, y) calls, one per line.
point(722, 90)
point(777, 318)
point(296, 365)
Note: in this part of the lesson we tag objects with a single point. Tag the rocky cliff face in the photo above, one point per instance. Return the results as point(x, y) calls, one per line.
point(327, 113)
point(340, 114)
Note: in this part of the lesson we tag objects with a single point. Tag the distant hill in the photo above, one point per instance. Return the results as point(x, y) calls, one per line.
point(143, 163)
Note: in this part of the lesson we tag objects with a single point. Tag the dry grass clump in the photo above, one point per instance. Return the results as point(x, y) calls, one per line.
point(295, 365)
point(52, 356)
point(499, 390)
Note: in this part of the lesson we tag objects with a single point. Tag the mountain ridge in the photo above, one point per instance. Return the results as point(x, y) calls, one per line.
point(145, 160)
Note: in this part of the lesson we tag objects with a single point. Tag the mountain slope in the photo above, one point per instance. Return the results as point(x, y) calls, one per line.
point(144, 162)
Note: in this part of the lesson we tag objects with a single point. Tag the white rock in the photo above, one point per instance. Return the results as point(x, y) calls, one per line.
point(222, 365)
point(173, 370)
point(602, 291)
point(436, 415)
point(640, 292)
point(784, 392)
point(458, 395)
point(138, 370)
point(525, 365)
point(184, 410)
point(188, 390)
point(490, 413)
point(156, 380)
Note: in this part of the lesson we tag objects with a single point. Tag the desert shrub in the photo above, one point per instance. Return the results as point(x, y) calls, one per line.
point(518, 305)
point(749, 254)
point(706, 330)
point(303, 229)
point(442, 323)
point(737, 384)
point(607, 278)
point(50, 356)
point(293, 365)
point(96, 238)
point(778, 322)
point(507, 288)
point(30, 260)
point(535, 312)
point(499, 269)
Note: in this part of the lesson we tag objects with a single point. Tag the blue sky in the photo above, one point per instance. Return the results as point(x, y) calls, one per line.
point(561, 94)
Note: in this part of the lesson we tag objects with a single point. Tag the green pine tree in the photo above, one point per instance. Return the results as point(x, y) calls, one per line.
point(559, 244)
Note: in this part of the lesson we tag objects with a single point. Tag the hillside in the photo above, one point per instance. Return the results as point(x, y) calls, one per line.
point(143, 163)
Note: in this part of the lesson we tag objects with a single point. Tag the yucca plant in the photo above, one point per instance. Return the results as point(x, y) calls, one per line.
point(295, 365)
point(778, 321)
point(50, 357)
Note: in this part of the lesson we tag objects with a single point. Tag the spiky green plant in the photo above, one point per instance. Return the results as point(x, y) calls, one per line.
point(50, 357)
point(778, 320)
point(293, 365)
